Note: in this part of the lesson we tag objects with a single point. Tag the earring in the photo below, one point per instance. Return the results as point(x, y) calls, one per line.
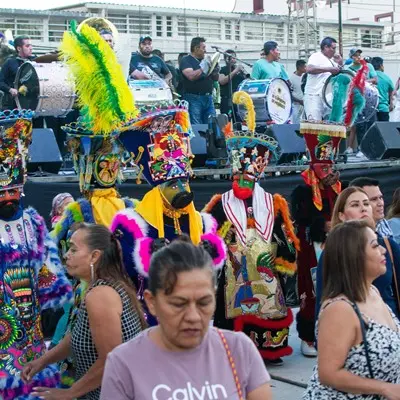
point(92, 271)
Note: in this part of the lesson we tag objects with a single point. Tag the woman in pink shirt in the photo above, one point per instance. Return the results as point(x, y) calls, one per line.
point(184, 357)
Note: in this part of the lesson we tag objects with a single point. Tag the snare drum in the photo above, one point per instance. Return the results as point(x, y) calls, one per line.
point(271, 98)
point(45, 89)
point(149, 91)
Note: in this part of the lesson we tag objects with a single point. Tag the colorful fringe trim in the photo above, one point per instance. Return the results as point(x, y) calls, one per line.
point(281, 207)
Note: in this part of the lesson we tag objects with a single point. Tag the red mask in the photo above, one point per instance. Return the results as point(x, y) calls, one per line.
point(242, 187)
point(326, 174)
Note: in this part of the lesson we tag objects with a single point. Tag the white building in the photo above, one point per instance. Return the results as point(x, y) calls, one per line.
point(173, 28)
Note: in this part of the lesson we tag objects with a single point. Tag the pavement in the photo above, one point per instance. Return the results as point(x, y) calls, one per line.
point(295, 371)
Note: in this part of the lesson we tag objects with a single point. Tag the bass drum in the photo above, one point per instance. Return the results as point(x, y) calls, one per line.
point(45, 89)
point(272, 100)
point(371, 96)
point(149, 91)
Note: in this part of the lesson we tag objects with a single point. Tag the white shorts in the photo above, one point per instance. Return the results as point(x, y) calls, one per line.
point(314, 107)
point(297, 112)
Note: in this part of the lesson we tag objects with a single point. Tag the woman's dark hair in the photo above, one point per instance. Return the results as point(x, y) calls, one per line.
point(179, 256)
point(344, 261)
point(340, 203)
point(394, 208)
point(110, 266)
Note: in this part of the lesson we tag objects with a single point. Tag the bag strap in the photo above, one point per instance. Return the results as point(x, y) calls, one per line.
point(390, 251)
point(364, 337)
point(232, 364)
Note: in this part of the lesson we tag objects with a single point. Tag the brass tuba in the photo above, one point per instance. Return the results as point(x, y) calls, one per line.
point(99, 24)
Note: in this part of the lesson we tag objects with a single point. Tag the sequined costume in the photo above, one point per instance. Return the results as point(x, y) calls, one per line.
point(31, 275)
point(259, 235)
point(312, 206)
point(159, 142)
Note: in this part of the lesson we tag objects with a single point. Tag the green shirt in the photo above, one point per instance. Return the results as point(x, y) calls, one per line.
point(263, 69)
point(371, 69)
point(385, 85)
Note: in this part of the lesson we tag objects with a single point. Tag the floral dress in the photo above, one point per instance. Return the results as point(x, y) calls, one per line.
point(384, 351)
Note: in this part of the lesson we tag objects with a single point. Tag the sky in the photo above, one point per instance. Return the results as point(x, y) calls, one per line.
point(224, 5)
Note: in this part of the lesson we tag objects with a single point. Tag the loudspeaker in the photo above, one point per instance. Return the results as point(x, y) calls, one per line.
point(208, 145)
point(382, 141)
point(198, 144)
point(44, 154)
point(292, 146)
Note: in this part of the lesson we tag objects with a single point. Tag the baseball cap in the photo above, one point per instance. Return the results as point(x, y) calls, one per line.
point(143, 38)
point(353, 51)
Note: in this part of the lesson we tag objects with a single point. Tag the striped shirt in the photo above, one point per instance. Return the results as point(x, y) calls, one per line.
point(383, 228)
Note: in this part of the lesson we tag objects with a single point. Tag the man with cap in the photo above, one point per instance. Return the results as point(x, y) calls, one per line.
point(371, 76)
point(355, 56)
point(259, 234)
point(269, 67)
point(32, 278)
point(159, 142)
point(144, 59)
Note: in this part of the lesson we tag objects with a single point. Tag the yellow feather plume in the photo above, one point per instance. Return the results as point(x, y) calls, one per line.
point(100, 83)
point(244, 99)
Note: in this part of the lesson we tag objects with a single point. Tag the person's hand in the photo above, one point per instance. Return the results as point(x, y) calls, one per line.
point(205, 65)
point(52, 394)
point(139, 75)
point(391, 391)
point(334, 70)
point(391, 107)
point(31, 369)
point(13, 92)
point(238, 70)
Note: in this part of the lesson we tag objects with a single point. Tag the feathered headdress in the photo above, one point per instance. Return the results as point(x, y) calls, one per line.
point(249, 151)
point(15, 137)
point(106, 105)
point(356, 101)
point(103, 93)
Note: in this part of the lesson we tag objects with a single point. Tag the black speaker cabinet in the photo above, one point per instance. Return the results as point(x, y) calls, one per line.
point(292, 146)
point(44, 154)
point(382, 141)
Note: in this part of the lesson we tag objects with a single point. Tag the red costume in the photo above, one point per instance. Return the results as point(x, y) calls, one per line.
point(312, 206)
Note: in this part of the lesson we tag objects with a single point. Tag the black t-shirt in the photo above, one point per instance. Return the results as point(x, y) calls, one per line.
point(236, 81)
point(202, 85)
point(155, 63)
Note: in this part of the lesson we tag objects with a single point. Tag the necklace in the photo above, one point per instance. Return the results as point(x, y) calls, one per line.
point(174, 215)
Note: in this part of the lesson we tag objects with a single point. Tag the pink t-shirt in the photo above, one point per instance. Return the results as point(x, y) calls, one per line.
point(140, 370)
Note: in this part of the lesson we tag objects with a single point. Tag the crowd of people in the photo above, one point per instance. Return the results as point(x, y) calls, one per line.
point(203, 298)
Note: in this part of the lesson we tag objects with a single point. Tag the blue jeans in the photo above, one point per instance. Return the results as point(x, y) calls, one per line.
point(200, 107)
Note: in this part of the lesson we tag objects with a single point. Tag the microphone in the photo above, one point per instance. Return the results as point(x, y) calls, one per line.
point(215, 47)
